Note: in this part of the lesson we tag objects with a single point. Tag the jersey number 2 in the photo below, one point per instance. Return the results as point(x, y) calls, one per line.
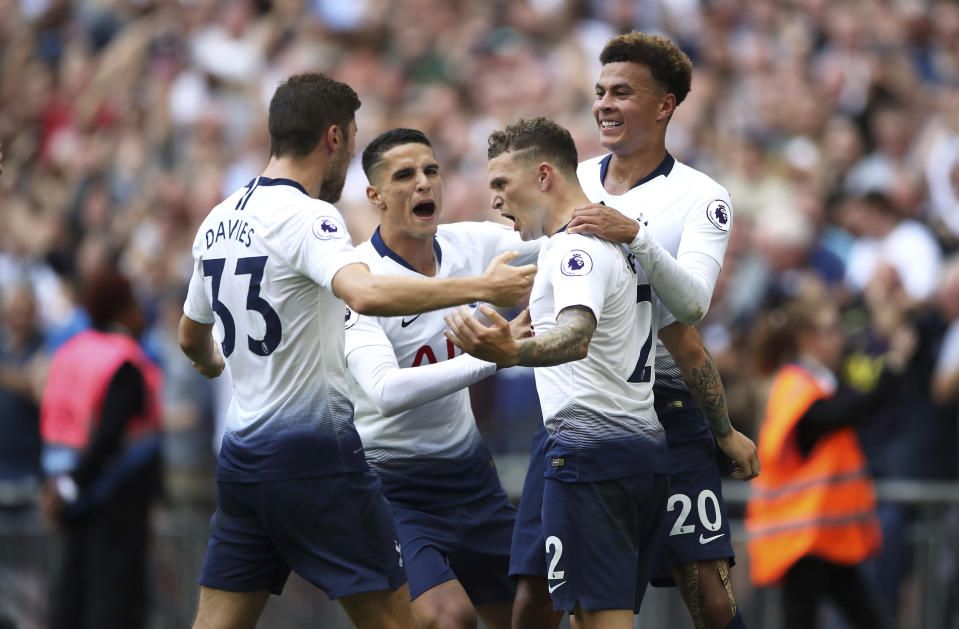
point(274, 329)
point(643, 372)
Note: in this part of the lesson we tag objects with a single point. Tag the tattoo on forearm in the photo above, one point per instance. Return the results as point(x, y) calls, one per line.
point(564, 343)
point(707, 389)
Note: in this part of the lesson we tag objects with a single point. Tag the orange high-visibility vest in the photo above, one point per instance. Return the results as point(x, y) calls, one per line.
point(76, 388)
point(822, 504)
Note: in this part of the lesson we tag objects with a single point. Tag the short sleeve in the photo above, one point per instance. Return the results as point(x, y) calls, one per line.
point(496, 238)
point(707, 225)
point(580, 268)
point(197, 305)
point(322, 246)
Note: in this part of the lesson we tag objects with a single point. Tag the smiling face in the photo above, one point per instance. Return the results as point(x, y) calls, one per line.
point(631, 108)
point(515, 185)
point(408, 188)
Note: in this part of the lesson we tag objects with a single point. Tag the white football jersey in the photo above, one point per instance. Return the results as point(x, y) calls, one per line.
point(683, 209)
point(606, 397)
point(445, 427)
point(264, 263)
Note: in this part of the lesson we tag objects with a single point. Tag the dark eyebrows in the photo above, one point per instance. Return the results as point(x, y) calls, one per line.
point(403, 173)
point(615, 86)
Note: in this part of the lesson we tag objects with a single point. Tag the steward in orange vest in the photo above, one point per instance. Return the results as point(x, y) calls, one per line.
point(818, 502)
point(811, 516)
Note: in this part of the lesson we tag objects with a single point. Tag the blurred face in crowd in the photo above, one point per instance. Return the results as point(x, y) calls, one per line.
point(335, 177)
point(824, 340)
point(515, 185)
point(409, 190)
point(629, 106)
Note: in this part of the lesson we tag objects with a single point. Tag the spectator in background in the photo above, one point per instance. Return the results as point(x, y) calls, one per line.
point(811, 517)
point(20, 345)
point(100, 420)
point(886, 238)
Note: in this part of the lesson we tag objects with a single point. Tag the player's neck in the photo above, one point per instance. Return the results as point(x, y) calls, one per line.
point(625, 170)
point(305, 172)
point(418, 252)
point(561, 210)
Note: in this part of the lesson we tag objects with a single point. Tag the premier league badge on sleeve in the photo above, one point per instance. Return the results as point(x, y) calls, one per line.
point(351, 318)
point(327, 227)
point(576, 262)
point(719, 214)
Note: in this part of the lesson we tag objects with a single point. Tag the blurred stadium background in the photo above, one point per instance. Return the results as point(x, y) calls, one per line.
point(834, 125)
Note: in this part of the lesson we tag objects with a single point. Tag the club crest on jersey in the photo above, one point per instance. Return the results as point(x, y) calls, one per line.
point(351, 318)
point(327, 227)
point(718, 214)
point(576, 262)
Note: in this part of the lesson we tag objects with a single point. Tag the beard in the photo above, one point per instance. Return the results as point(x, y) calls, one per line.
point(335, 177)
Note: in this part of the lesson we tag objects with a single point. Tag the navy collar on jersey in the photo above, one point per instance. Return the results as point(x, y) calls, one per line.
point(383, 250)
point(664, 168)
point(563, 228)
point(266, 181)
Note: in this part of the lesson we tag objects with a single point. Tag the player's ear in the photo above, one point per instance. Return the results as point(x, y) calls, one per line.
point(333, 137)
point(375, 197)
point(546, 175)
point(667, 106)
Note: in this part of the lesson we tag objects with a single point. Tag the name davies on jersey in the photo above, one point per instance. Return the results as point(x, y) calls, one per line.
point(238, 230)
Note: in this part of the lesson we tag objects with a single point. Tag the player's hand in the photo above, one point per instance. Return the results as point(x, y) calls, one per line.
point(603, 221)
point(507, 285)
point(494, 343)
point(742, 451)
point(521, 327)
point(214, 368)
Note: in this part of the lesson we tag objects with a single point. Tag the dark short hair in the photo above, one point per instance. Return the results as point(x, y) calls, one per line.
point(541, 139)
point(106, 295)
point(669, 65)
point(303, 108)
point(389, 140)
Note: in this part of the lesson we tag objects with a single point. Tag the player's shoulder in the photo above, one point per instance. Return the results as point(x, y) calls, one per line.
point(697, 182)
point(579, 252)
point(470, 231)
point(593, 163)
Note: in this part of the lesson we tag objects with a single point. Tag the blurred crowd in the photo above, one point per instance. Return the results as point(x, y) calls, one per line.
point(834, 125)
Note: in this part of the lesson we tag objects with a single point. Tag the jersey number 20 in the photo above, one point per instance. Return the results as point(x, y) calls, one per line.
point(253, 267)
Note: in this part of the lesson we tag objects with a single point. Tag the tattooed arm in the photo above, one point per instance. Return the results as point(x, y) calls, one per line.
point(567, 342)
point(687, 349)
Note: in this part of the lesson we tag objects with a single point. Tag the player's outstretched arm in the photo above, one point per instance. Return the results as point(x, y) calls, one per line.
point(391, 295)
point(687, 349)
point(567, 342)
point(394, 389)
point(685, 288)
point(196, 341)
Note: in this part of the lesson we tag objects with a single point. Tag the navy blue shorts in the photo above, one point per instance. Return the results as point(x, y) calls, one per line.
point(601, 540)
point(697, 525)
point(336, 532)
point(469, 543)
point(527, 554)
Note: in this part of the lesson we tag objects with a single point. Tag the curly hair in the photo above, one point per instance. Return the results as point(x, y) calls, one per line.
point(669, 65)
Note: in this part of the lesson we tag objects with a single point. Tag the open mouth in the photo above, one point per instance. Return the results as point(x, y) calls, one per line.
point(425, 209)
point(512, 218)
point(609, 124)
